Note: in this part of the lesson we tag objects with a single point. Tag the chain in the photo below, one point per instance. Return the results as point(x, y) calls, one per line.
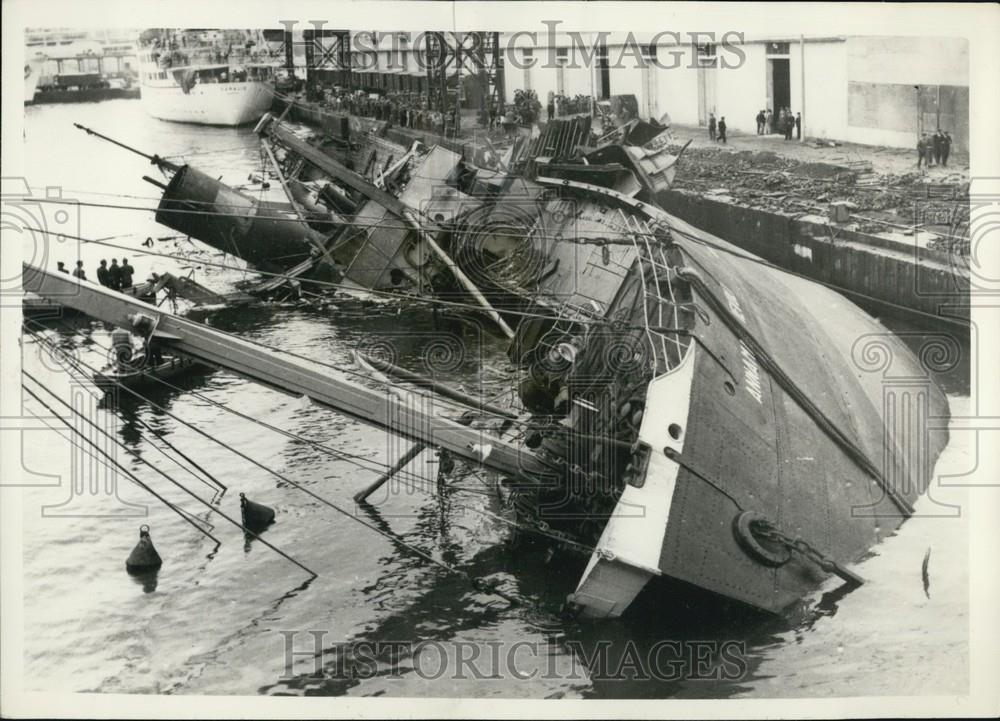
point(529, 521)
point(766, 530)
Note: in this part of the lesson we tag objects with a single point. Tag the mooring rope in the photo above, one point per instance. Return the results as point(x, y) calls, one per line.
point(354, 459)
point(108, 458)
point(477, 583)
point(184, 488)
point(321, 283)
point(219, 487)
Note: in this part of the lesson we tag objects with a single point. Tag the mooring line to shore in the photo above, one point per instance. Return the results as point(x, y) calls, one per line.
point(114, 440)
point(477, 309)
point(605, 238)
point(309, 281)
point(354, 459)
point(77, 363)
point(186, 516)
point(194, 495)
point(394, 538)
point(212, 482)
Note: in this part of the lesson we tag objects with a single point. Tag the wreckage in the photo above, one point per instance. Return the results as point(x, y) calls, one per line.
point(694, 417)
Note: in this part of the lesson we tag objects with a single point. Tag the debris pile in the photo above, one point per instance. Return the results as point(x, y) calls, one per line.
point(879, 201)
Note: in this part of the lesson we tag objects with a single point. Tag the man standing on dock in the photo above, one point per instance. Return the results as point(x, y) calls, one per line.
point(127, 272)
point(115, 275)
point(798, 126)
point(102, 274)
point(711, 126)
point(722, 129)
point(945, 148)
point(936, 140)
point(760, 122)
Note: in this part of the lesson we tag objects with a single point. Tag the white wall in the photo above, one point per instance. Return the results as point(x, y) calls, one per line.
point(740, 93)
point(907, 61)
point(884, 71)
point(543, 78)
point(825, 114)
point(678, 94)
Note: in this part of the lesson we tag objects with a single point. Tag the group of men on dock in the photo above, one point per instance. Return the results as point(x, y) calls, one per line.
point(116, 277)
point(767, 124)
point(934, 148)
point(783, 123)
point(407, 110)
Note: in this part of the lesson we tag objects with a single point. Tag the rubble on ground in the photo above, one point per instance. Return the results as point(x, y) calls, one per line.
point(769, 181)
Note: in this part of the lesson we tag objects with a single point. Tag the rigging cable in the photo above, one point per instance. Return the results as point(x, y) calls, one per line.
point(326, 284)
point(395, 539)
point(126, 472)
point(184, 488)
point(339, 455)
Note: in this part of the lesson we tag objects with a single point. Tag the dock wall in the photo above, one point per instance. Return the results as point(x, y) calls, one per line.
point(921, 286)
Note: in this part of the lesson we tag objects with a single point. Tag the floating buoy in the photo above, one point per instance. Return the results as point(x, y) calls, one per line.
point(256, 517)
point(144, 557)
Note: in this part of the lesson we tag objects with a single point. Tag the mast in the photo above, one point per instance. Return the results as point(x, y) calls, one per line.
point(287, 373)
point(153, 159)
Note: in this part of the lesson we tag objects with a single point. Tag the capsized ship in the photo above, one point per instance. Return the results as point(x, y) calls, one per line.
point(210, 77)
point(695, 418)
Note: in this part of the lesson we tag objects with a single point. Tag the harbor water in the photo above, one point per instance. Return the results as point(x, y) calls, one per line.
point(378, 620)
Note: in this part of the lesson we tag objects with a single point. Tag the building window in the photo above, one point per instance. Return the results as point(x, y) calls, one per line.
point(777, 48)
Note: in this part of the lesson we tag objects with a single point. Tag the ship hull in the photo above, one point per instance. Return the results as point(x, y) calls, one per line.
point(755, 431)
point(228, 104)
point(91, 95)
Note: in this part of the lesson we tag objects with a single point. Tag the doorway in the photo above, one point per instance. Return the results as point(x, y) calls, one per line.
point(604, 78)
point(706, 93)
point(779, 84)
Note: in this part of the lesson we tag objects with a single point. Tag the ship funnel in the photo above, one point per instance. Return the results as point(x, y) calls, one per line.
point(207, 209)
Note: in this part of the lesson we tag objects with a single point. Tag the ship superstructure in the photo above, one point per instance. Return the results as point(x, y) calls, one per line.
point(210, 77)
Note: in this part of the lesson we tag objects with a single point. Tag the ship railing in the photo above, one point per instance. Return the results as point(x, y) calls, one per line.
point(651, 260)
point(187, 58)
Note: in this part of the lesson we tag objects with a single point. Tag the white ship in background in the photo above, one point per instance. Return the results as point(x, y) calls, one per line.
point(211, 77)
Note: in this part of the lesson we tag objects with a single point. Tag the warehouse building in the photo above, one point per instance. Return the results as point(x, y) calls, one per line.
point(861, 89)
point(869, 90)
